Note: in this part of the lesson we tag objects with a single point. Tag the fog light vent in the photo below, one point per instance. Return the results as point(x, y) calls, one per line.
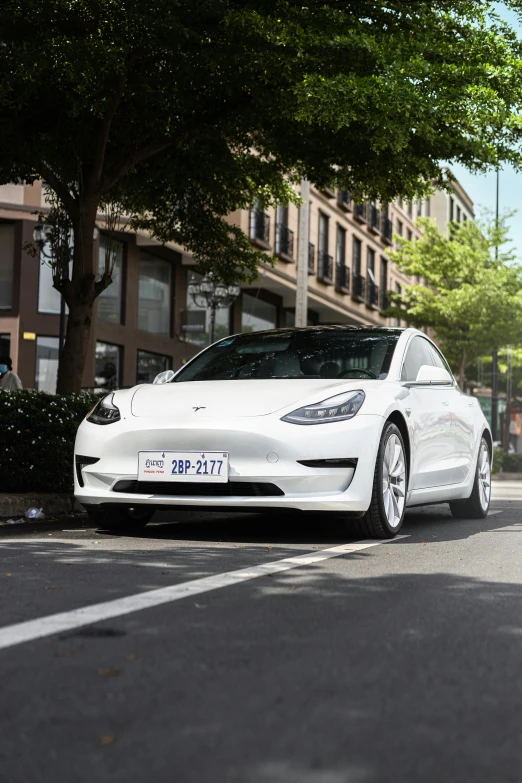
point(81, 462)
point(344, 462)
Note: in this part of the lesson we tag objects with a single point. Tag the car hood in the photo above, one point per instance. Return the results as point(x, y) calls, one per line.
point(233, 398)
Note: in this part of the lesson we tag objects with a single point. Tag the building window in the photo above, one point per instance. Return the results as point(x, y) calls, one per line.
point(46, 364)
point(428, 208)
point(256, 314)
point(7, 231)
point(410, 208)
point(371, 259)
point(155, 295)
point(341, 246)
point(419, 208)
point(409, 235)
point(5, 345)
point(398, 290)
point(400, 203)
point(151, 364)
point(458, 214)
point(400, 229)
point(108, 366)
point(384, 282)
point(451, 209)
point(110, 300)
point(356, 257)
point(464, 218)
point(323, 233)
point(196, 327)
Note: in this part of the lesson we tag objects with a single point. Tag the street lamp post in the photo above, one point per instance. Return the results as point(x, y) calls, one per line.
point(212, 295)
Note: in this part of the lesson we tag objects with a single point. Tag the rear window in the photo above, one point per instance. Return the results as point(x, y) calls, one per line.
point(314, 354)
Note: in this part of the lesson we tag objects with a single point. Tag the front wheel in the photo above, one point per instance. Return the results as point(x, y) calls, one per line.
point(119, 518)
point(385, 516)
point(477, 505)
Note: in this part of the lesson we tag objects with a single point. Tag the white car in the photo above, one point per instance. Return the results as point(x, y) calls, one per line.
point(360, 422)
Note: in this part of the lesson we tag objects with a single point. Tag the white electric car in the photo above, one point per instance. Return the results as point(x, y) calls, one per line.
point(359, 421)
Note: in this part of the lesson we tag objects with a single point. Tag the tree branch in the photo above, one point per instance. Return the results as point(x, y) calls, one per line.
point(145, 152)
point(60, 188)
point(95, 177)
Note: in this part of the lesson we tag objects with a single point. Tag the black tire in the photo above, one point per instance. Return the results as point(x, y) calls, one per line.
point(375, 523)
point(119, 518)
point(475, 506)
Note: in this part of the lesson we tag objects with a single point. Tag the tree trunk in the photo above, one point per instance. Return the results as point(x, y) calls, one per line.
point(80, 294)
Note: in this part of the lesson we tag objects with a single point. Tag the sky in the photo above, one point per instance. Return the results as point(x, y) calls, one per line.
point(482, 187)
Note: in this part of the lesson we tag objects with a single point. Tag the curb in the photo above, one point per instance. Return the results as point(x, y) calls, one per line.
point(16, 504)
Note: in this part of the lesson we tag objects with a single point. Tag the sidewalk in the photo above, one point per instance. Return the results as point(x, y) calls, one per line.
point(506, 490)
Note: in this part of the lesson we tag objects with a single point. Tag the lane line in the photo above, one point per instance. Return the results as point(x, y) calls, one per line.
point(30, 630)
point(492, 513)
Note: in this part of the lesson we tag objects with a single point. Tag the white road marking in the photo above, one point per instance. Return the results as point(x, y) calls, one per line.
point(492, 513)
point(12, 635)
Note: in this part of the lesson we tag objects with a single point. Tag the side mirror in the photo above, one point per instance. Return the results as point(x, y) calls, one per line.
point(429, 374)
point(164, 377)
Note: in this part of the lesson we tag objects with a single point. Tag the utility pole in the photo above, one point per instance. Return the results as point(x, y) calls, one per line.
point(301, 296)
point(494, 369)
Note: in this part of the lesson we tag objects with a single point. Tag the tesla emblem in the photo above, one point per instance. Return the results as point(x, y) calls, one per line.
point(198, 409)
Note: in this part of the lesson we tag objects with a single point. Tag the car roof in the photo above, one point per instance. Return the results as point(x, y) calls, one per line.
point(325, 328)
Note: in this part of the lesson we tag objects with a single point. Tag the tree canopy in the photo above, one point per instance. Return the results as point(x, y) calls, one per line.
point(182, 111)
point(472, 295)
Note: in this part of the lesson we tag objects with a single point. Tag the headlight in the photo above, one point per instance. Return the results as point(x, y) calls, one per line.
point(338, 408)
point(104, 412)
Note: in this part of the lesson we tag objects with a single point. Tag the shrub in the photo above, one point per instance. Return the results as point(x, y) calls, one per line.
point(36, 452)
point(512, 463)
point(498, 459)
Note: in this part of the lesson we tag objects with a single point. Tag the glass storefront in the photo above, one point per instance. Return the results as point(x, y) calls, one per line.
point(151, 364)
point(155, 295)
point(110, 301)
point(46, 364)
point(108, 364)
point(257, 315)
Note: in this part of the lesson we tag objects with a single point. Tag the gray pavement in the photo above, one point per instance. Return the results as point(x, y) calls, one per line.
point(397, 663)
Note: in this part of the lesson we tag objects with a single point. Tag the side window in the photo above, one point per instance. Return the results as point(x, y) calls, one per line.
point(439, 360)
point(418, 353)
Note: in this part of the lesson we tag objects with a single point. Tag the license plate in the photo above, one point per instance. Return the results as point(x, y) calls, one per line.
point(183, 466)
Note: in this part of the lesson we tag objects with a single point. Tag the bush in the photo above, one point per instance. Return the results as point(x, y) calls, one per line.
point(512, 463)
point(39, 429)
point(498, 459)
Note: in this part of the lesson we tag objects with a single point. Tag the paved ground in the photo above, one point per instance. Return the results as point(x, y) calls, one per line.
point(401, 662)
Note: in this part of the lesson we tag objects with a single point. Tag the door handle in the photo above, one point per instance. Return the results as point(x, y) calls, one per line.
point(445, 402)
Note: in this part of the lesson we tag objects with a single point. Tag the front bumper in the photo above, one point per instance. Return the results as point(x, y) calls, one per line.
point(249, 441)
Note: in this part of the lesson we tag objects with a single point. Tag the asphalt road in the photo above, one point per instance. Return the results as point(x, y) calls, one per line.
point(400, 662)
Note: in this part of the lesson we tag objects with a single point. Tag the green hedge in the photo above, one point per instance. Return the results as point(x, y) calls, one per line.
point(512, 463)
point(38, 432)
point(498, 459)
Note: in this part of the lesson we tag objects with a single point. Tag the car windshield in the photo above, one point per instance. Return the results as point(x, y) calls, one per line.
point(318, 353)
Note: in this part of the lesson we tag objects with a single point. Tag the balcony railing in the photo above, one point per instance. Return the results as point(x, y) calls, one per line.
point(324, 267)
point(386, 229)
point(358, 286)
point(344, 200)
point(260, 226)
point(342, 278)
point(284, 241)
point(372, 293)
point(311, 259)
point(373, 218)
point(384, 302)
point(359, 212)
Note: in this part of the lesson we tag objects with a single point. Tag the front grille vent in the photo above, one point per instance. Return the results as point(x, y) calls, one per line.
point(194, 489)
point(81, 462)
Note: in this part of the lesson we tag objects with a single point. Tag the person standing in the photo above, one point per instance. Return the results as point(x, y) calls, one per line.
point(9, 380)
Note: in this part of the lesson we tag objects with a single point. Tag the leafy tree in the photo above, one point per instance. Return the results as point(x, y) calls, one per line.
point(473, 292)
point(178, 112)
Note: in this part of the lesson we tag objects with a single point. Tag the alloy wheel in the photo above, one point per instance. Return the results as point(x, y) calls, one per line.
point(394, 481)
point(484, 476)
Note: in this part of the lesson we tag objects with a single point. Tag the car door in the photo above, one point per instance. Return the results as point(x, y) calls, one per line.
point(462, 409)
point(430, 420)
